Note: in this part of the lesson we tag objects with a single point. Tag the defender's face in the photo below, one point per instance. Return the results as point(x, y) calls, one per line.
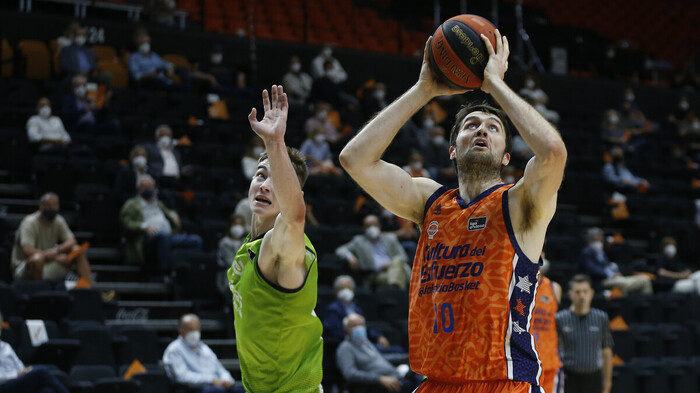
point(261, 194)
point(481, 133)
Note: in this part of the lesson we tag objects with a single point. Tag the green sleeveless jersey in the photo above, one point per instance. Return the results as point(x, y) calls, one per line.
point(278, 335)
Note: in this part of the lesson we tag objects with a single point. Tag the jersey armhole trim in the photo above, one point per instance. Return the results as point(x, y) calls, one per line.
point(280, 288)
point(437, 194)
point(511, 232)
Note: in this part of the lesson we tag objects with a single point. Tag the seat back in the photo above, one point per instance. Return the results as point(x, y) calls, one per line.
point(38, 59)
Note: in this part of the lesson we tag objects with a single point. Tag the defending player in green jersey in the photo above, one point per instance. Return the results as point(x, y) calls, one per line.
point(274, 274)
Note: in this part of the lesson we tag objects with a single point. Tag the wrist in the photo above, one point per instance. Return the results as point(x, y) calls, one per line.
point(423, 90)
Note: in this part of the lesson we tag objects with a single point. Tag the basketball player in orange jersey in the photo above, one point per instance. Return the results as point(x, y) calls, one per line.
point(545, 331)
point(475, 272)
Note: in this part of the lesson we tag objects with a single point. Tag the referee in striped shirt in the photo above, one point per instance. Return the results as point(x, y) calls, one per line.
point(585, 341)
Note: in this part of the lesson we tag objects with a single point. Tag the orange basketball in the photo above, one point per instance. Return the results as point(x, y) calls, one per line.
point(457, 53)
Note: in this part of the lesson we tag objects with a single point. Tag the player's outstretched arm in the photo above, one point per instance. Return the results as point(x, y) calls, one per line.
point(285, 242)
point(390, 185)
point(544, 173)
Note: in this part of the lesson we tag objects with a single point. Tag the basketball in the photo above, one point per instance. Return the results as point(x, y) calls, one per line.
point(457, 53)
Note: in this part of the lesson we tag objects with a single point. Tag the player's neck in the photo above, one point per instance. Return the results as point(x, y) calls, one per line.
point(471, 186)
point(581, 310)
point(261, 225)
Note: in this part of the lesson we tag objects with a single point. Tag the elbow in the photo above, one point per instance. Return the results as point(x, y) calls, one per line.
point(346, 159)
point(556, 153)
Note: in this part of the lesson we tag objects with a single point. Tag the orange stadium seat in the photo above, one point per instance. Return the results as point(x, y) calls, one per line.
point(38, 59)
point(120, 77)
point(104, 52)
point(214, 23)
point(6, 59)
point(178, 60)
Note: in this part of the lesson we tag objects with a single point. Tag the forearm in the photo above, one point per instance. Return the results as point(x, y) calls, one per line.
point(607, 369)
point(67, 246)
point(536, 131)
point(287, 187)
point(367, 147)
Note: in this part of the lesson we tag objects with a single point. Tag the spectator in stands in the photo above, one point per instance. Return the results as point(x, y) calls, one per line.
point(253, 150)
point(415, 166)
point(325, 89)
point(373, 99)
point(161, 12)
point(151, 228)
point(45, 248)
point(605, 274)
point(320, 120)
point(362, 364)
point(45, 130)
point(79, 59)
point(191, 362)
point(243, 209)
point(437, 156)
point(164, 159)
point(585, 341)
point(221, 77)
point(633, 119)
point(533, 93)
point(673, 271)
point(612, 131)
point(150, 70)
point(344, 289)
point(318, 154)
point(66, 38)
point(682, 113)
point(229, 244)
point(297, 83)
point(15, 377)
point(377, 253)
point(128, 176)
point(81, 113)
point(326, 65)
point(619, 177)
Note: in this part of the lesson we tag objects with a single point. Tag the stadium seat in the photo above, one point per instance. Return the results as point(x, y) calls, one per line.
point(26, 288)
point(103, 379)
point(6, 59)
point(104, 52)
point(37, 59)
point(141, 344)
point(58, 351)
point(178, 60)
point(191, 270)
point(7, 300)
point(120, 76)
point(87, 305)
point(55, 174)
point(52, 305)
point(153, 382)
point(96, 346)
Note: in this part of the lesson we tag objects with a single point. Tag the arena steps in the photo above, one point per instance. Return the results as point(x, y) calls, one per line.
point(166, 326)
point(16, 190)
point(136, 290)
point(152, 309)
point(17, 205)
point(116, 273)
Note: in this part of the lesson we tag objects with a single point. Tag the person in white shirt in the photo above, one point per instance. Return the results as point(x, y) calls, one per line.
point(15, 377)
point(191, 362)
point(297, 83)
point(163, 159)
point(47, 130)
point(336, 73)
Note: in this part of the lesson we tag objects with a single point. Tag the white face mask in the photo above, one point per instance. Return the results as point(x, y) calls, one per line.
point(509, 179)
point(613, 118)
point(379, 94)
point(192, 338)
point(438, 140)
point(258, 150)
point(80, 40)
point(611, 54)
point(80, 91)
point(696, 125)
point(428, 123)
point(139, 162)
point(597, 246)
point(216, 58)
point(684, 105)
point(145, 48)
point(629, 97)
point(296, 67)
point(319, 138)
point(373, 232)
point(670, 251)
point(45, 112)
point(165, 142)
point(327, 52)
point(237, 231)
point(529, 83)
point(417, 165)
point(346, 295)
point(322, 114)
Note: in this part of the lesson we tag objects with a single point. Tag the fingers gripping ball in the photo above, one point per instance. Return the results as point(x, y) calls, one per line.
point(457, 53)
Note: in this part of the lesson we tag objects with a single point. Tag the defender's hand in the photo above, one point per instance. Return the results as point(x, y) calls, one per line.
point(274, 122)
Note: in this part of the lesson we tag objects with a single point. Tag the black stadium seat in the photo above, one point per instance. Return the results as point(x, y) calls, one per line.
point(141, 344)
point(53, 305)
point(96, 346)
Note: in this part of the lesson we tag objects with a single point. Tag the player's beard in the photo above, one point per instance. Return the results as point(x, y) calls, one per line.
point(479, 167)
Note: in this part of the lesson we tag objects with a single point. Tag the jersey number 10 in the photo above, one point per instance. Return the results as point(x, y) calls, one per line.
point(446, 316)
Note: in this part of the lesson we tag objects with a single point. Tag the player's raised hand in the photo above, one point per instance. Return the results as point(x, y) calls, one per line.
point(428, 80)
point(498, 60)
point(274, 123)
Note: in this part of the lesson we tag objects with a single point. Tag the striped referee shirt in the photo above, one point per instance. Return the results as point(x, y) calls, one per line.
point(581, 338)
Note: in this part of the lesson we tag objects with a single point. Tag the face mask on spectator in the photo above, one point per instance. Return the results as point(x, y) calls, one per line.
point(296, 67)
point(45, 112)
point(696, 125)
point(373, 232)
point(216, 58)
point(80, 40)
point(80, 91)
point(417, 165)
point(145, 48)
point(684, 105)
point(258, 150)
point(164, 142)
point(147, 194)
point(237, 231)
point(379, 94)
point(327, 52)
point(359, 334)
point(139, 162)
point(610, 53)
point(428, 123)
point(192, 338)
point(322, 114)
point(629, 97)
point(509, 179)
point(438, 140)
point(49, 214)
point(613, 118)
point(319, 138)
point(597, 246)
point(670, 251)
point(346, 295)
point(529, 83)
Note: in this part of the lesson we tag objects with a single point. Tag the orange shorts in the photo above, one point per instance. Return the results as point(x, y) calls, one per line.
point(432, 386)
point(553, 381)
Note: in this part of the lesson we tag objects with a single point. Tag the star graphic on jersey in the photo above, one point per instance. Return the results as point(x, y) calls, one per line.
point(524, 284)
point(520, 307)
point(517, 328)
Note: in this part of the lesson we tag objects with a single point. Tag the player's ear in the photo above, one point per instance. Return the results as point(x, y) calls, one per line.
point(506, 159)
point(453, 153)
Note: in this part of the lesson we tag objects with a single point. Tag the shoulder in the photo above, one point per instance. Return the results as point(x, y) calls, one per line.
point(335, 306)
point(562, 314)
point(173, 347)
point(599, 314)
point(345, 347)
point(29, 220)
point(60, 221)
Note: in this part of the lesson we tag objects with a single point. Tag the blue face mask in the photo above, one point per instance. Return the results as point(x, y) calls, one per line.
point(359, 334)
point(147, 193)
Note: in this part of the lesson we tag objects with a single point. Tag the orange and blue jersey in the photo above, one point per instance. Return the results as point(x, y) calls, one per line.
point(472, 293)
point(545, 325)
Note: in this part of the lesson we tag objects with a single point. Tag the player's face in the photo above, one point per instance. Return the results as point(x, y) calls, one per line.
point(261, 194)
point(581, 294)
point(481, 138)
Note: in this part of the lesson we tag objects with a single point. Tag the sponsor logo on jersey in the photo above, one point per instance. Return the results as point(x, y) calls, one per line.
point(251, 254)
point(438, 209)
point(477, 223)
point(432, 229)
point(441, 251)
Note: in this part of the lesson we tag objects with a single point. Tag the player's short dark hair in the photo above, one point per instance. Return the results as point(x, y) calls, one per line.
point(482, 106)
point(298, 163)
point(580, 278)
